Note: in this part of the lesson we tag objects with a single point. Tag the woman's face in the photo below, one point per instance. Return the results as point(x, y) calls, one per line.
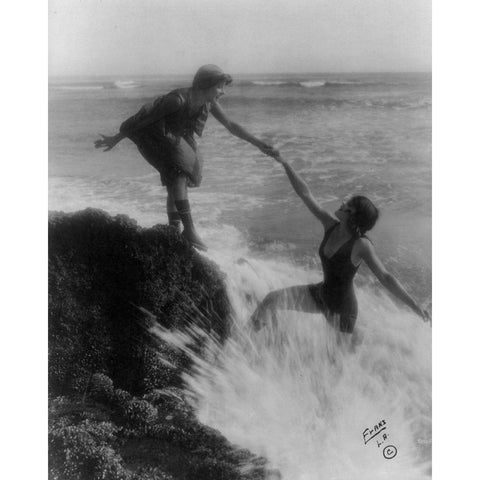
point(214, 93)
point(345, 210)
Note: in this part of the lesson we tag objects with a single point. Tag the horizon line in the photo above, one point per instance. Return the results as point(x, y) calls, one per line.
point(353, 72)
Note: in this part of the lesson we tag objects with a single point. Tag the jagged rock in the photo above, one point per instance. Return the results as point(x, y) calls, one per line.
point(101, 268)
point(116, 411)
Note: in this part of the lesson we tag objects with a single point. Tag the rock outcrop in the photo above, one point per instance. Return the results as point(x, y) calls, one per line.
point(116, 408)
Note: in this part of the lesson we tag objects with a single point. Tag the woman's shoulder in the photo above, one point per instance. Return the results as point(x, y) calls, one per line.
point(364, 241)
point(179, 94)
point(363, 245)
point(171, 101)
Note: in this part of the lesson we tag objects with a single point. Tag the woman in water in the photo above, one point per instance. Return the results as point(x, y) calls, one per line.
point(164, 134)
point(344, 247)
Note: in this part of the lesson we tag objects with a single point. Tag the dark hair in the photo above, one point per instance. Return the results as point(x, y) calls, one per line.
point(208, 76)
point(365, 216)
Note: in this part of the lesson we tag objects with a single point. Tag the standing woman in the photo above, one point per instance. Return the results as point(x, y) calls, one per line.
point(164, 134)
point(344, 247)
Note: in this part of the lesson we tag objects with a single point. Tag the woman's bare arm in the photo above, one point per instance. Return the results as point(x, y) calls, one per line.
point(368, 255)
point(240, 132)
point(303, 191)
point(148, 115)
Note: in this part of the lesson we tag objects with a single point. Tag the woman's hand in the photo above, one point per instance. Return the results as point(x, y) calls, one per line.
point(423, 313)
point(426, 316)
point(107, 143)
point(269, 150)
point(278, 157)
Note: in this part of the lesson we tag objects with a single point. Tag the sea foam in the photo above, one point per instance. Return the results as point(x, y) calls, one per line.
point(304, 398)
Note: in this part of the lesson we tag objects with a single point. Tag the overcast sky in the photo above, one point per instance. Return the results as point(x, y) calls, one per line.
point(128, 37)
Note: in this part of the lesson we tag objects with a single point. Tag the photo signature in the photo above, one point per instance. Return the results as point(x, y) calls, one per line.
point(379, 433)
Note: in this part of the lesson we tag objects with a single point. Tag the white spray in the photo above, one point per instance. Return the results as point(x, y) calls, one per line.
point(306, 402)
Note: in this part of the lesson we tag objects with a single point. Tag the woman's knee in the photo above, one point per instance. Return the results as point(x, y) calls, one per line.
point(179, 181)
point(272, 298)
point(269, 297)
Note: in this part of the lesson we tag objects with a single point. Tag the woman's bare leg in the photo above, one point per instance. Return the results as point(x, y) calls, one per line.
point(296, 298)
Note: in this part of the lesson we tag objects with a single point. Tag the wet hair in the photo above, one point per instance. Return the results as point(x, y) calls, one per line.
point(365, 216)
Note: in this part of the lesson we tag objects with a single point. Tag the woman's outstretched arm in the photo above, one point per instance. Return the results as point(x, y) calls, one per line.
point(368, 254)
point(303, 191)
point(240, 132)
point(148, 115)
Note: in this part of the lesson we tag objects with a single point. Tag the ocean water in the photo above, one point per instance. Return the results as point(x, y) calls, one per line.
point(293, 395)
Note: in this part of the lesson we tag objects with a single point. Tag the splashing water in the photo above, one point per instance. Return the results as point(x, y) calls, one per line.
point(303, 399)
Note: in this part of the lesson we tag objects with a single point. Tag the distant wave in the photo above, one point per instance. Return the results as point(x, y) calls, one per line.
point(118, 84)
point(311, 83)
point(345, 83)
point(274, 83)
point(78, 87)
point(358, 83)
point(287, 83)
point(125, 84)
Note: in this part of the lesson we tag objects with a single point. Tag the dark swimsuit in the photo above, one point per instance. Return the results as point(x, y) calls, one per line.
point(335, 295)
point(167, 141)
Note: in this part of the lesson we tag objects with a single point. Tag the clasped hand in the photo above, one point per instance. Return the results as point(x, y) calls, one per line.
point(269, 150)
